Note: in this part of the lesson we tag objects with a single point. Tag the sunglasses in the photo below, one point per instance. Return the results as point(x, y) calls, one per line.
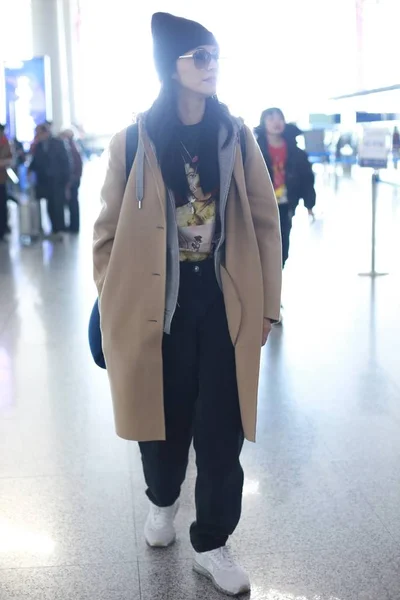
point(202, 58)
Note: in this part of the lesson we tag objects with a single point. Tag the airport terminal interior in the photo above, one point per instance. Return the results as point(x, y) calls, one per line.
point(321, 497)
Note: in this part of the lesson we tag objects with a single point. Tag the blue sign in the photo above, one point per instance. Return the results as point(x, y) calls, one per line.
point(366, 117)
point(28, 97)
point(374, 163)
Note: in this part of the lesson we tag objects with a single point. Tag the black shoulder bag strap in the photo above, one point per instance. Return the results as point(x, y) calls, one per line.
point(242, 140)
point(131, 146)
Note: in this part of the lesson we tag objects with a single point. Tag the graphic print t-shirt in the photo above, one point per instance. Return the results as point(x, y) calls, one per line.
point(279, 157)
point(197, 217)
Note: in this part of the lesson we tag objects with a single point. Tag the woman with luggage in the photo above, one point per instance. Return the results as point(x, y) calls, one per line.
point(187, 262)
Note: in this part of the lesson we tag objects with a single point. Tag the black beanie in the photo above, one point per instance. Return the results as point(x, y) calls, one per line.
point(173, 37)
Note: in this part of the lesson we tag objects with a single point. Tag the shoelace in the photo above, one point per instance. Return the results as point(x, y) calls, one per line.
point(223, 558)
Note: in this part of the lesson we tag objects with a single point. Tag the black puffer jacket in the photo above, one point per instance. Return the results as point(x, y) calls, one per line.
point(299, 174)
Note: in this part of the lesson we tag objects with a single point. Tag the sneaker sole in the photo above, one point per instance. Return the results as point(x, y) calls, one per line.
point(160, 545)
point(202, 571)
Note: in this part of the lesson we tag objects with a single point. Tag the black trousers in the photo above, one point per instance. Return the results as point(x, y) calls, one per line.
point(55, 195)
point(74, 208)
point(201, 403)
point(3, 211)
point(286, 216)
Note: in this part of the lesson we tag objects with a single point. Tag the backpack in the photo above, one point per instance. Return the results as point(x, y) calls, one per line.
point(131, 145)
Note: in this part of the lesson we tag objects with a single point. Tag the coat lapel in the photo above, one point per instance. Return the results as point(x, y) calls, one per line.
point(153, 164)
point(226, 157)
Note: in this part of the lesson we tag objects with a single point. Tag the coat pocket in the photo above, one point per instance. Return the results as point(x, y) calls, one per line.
point(233, 305)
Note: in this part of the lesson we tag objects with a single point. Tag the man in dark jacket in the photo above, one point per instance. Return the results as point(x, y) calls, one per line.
point(289, 168)
point(51, 166)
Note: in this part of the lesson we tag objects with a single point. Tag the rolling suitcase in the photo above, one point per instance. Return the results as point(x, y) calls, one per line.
point(30, 222)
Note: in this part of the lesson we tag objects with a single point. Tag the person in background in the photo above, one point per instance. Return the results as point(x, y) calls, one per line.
point(80, 138)
point(49, 125)
point(289, 168)
point(5, 162)
point(396, 146)
point(19, 153)
point(20, 160)
point(187, 263)
point(76, 167)
point(39, 136)
point(51, 166)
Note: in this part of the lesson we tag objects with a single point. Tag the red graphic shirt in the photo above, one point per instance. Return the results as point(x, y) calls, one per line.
point(279, 157)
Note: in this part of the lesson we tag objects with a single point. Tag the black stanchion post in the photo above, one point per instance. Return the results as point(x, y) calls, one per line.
point(374, 186)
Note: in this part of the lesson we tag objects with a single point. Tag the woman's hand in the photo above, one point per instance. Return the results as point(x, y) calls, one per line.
point(266, 330)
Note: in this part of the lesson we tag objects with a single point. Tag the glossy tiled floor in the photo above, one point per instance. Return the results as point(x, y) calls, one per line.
point(321, 517)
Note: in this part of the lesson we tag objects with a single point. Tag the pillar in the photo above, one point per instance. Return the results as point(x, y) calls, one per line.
point(49, 38)
point(71, 10)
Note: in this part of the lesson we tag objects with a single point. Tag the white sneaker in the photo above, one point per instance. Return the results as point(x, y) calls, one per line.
point(159, 529)
point(219, 566)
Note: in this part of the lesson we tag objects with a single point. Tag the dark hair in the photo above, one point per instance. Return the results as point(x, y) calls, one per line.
point(269, 112)
point(163, 125)
point(42, 129)
point(290, 132)
point(259, 131)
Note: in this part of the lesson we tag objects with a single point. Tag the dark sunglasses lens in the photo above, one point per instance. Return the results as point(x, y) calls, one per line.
point(202, 59)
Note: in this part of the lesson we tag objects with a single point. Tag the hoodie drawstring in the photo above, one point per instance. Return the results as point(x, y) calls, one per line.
point(140, 173)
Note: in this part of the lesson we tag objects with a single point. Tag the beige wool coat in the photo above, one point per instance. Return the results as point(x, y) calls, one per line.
point(130, 246)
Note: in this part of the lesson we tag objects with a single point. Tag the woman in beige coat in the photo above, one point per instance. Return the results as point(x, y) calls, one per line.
point(187, 261)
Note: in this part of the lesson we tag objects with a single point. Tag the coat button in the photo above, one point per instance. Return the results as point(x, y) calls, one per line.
point(196, 269)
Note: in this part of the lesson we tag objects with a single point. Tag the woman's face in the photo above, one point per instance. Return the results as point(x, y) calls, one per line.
point(274, 124)
point(199, 73)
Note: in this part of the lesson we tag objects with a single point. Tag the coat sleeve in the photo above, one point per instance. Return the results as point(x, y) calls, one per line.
point(78, 161)
point(265, 215)
point(112, 194)
point(33, 165)
point(64, 163)
point(307, 181)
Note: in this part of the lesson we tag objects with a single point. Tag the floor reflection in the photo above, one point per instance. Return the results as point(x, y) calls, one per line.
point(15, 539)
